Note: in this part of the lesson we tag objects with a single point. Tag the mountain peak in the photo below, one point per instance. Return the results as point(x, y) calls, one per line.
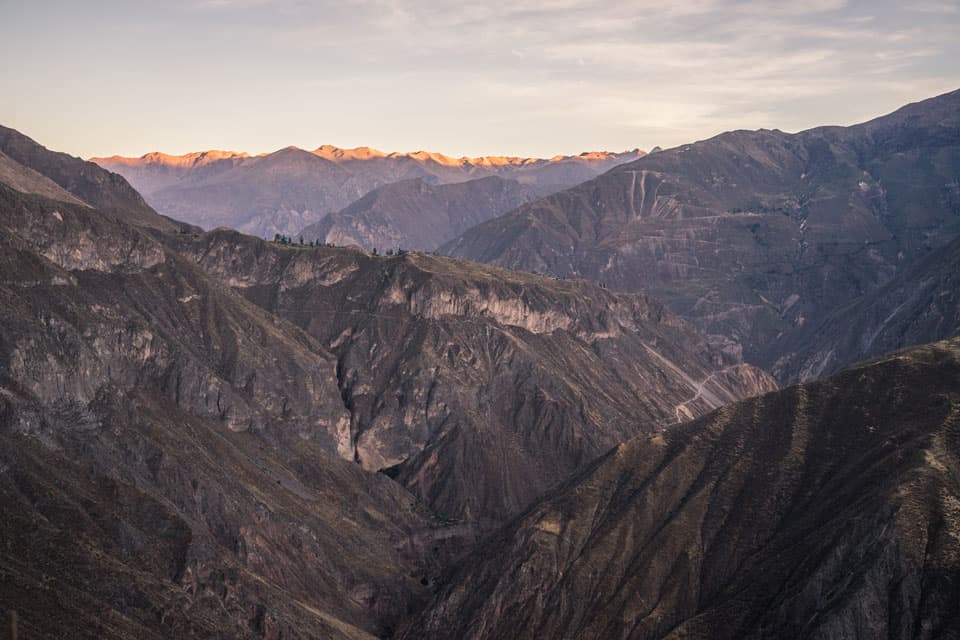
point(428, 156)
point(289, 189)
point(158, 158)
point(338, 154)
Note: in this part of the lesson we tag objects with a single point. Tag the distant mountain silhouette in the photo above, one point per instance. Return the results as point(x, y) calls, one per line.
point(285, 191)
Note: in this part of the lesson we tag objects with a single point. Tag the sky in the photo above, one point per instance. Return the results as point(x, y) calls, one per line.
point(491, 77)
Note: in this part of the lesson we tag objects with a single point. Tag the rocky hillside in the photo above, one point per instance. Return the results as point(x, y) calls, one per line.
point(921, 303)
point(191, 425)
point(414, 214)
point(827, 510)
point(475, 387)
point(285, 191)
point(751, 234)
point(169, 456)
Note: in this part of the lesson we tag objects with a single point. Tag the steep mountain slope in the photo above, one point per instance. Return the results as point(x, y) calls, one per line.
point(106, 191)
point(921, 303)
point(477, 387)
point(751, 234)
point(26, 180)
point(828, 510)
point(413, 214)
point(168, 453)
point(284, 191)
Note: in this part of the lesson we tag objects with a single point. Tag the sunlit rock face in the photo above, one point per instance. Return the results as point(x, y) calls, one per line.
point(751, 235)
point(826, 510)
point(290, 189)
point(475, 387)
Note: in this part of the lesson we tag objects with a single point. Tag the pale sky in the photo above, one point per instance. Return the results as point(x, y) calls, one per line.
point(491, 77)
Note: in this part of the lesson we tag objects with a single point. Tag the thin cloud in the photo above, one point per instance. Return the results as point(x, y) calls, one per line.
point(533, 77)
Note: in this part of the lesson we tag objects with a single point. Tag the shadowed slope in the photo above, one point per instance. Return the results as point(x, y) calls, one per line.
point(99, 188)
point(751, 234)
point(826, 510)
point(921, 303)
point(168, 452)
point(26, 180)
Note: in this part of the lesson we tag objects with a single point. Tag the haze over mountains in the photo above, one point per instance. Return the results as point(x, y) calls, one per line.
point(752, 235)
point(416, 214)
point(211, 435)
point(285, 191)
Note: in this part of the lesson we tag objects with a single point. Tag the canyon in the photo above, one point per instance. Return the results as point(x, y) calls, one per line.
point(205, 433)
point(210, 434)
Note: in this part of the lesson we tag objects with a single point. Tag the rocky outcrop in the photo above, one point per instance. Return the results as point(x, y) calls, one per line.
point(477, 387)
point(751, 235)
point(285, 191)
point(73, 238)
point(413, 214)
point(826, 510)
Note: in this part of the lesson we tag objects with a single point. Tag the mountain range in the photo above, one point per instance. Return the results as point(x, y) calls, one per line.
point(287, 190)
point(208, 434)
point(751, 235)
point(214, 435)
